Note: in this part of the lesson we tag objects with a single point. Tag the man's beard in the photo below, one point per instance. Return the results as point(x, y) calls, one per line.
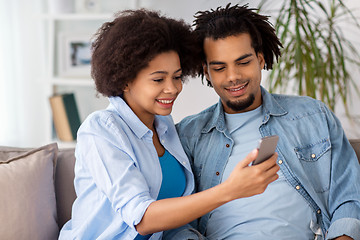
point(239, 106)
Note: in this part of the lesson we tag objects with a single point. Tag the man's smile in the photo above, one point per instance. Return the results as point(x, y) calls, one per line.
point(238, 89)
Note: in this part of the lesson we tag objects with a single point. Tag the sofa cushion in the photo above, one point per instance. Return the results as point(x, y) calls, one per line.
point(28, 207)
point(64, 184)
point(355, 143)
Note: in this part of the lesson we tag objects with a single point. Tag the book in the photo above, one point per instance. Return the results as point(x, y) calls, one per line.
point(65, 116)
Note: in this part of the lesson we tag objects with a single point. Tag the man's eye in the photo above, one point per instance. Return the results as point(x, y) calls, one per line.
point(179, 77)
point(218, 69)
point(244, 63)
point(157, 80)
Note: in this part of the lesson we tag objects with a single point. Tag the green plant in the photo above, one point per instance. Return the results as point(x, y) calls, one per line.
point(317, 57)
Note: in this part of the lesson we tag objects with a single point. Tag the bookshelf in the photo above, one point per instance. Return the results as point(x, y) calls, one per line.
point(62, 31)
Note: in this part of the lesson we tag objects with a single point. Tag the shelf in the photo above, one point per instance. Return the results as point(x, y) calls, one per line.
point(74, 16)
point(55, 77)
point(63, 145)
point(72, 82)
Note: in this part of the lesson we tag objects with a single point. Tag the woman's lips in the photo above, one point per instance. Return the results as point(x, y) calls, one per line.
point(166, 102)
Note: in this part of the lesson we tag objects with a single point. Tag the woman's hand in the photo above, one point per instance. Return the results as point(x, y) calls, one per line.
point(246, 180)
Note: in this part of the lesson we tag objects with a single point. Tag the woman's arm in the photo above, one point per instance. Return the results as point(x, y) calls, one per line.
point(244, 181)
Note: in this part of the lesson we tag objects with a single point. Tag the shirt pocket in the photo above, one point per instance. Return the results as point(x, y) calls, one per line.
point(316, 162)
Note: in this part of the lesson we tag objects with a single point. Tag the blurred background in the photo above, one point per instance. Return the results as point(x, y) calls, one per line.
point(44, 52)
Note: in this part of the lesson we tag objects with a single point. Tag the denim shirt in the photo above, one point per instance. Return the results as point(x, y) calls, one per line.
point(118, 173)
point(314, 156)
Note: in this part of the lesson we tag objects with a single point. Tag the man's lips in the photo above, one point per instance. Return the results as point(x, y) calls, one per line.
point(237, 90)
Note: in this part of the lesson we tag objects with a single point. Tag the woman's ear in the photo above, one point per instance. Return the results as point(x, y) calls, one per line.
point(126, 88)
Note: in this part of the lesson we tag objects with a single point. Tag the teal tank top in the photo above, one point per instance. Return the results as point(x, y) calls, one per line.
point(173, 181)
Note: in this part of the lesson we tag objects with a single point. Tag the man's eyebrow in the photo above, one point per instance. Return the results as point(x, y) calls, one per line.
point(238, 59)
point(164, 72)
point(243, 57)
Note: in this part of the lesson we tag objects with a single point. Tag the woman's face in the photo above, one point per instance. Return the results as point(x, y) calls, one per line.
point(155, 87)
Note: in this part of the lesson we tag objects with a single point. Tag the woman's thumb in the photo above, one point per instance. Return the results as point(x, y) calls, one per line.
point(249, 158)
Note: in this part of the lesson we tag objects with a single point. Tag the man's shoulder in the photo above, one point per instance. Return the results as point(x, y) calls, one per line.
point(196, 122)
point(299, 104)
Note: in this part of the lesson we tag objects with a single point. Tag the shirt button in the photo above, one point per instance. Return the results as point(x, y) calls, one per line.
point(227, 145)
point(297, 187)
point(162, 141)
point(217, 173)
point(280, 162)
point(184, 163)
point(313, 155)
point(318, 211)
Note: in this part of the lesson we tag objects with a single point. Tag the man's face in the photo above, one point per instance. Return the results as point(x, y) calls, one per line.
point(234, 70)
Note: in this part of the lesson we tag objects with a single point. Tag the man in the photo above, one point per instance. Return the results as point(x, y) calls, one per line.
point(317, 195)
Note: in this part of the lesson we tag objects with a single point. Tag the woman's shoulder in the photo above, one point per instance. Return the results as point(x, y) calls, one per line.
point(102, 120)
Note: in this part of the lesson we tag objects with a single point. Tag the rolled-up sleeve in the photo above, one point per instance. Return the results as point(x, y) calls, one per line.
point(107, 157)
point(344, 226)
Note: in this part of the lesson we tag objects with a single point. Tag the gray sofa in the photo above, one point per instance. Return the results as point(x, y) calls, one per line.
point(36, 205)
point(37, 191)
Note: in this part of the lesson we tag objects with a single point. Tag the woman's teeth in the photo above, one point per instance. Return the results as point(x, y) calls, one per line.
point(166, 101)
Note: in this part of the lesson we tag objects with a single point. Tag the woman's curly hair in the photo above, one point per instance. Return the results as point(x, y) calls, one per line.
point(126, 45)
point(233, 20)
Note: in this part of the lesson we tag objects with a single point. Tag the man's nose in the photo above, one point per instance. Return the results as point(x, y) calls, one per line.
point(234, 73)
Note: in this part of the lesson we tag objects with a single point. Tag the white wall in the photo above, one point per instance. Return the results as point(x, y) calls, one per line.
point(22, 121)
point(196, 96)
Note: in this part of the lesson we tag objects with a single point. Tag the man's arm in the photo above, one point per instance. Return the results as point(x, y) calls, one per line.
point(344, 192)
point(185, 232)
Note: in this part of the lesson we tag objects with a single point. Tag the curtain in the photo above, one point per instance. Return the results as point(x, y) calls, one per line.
point(21, 61)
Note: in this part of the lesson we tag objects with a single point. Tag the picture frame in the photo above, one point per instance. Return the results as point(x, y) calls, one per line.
point(74, 55)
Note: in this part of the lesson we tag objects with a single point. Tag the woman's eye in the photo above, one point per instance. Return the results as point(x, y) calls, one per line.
point(157, 80)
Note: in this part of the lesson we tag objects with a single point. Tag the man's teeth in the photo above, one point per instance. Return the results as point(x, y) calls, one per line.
point(237, 89)
point(166, 101)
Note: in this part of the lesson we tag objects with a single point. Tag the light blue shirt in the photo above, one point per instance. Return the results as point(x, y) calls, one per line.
point(117, 173)
point(315, 158)
point(241, 128)
point(241, 218)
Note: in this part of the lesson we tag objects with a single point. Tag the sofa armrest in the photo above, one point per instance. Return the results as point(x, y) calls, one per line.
point(64, 185)
point(355, 143)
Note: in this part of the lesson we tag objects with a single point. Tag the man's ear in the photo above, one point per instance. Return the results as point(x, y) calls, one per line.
point(261, 59)
point(206, 71)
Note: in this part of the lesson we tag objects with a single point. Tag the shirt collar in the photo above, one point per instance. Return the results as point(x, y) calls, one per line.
point(129, 117)
point(217, 119)
point(270, 106)
point(160, 125)
point(134, 123)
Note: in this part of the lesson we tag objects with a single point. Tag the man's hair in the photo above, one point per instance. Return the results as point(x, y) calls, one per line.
point(233, 20)
point(126, 45)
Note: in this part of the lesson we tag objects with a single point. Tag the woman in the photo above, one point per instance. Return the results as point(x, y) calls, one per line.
point(131, 171)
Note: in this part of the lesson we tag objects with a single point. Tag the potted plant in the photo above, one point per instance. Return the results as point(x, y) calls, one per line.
point(317, 58)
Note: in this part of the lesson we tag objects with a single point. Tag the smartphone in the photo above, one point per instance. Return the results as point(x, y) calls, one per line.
point(267, 146)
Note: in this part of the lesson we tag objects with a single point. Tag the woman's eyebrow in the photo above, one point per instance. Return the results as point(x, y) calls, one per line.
point(164, 72)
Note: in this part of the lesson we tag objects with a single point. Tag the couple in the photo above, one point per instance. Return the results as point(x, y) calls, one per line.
point(137, 176)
